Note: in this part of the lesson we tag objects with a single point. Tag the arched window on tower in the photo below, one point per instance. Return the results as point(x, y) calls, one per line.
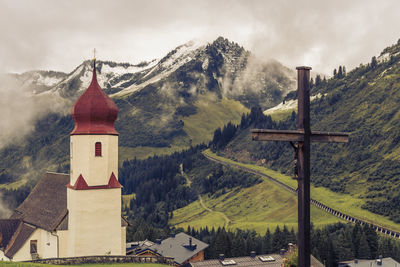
point(97, 147)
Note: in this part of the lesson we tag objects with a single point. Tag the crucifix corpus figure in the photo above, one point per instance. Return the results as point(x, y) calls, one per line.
point(303, 136)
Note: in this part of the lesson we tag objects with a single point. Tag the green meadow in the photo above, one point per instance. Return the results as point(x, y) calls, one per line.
point(199, 127)
point(346, 203)
point(264, 205)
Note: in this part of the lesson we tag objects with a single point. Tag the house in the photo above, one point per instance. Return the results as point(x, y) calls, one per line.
point(133, 248)
point(181, 247)
point(76, 214)
point(370, 263)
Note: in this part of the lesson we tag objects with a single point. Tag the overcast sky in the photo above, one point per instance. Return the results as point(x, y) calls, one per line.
point(60, 34)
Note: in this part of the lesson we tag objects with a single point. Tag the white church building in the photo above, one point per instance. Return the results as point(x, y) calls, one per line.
point(76, 214)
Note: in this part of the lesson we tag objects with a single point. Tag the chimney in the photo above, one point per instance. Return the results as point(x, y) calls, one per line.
point(221, 257)
point(158, 241)
point(253, 254)
point(172, 235)
point(190, 242)
point(379, 261)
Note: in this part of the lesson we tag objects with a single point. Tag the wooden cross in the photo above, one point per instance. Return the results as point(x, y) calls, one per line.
point(303, 136)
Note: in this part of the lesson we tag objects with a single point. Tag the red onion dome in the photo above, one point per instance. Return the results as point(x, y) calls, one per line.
point(94, 112)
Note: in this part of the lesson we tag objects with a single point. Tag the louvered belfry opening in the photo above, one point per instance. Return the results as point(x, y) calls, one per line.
point(98, 149)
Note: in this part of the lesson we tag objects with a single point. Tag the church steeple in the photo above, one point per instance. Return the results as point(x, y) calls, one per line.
point(94, 112)
point(94, 193)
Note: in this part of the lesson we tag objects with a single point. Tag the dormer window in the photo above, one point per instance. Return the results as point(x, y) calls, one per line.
point(97, 147)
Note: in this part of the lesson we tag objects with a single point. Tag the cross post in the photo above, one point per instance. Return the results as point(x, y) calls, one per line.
point(303, 136)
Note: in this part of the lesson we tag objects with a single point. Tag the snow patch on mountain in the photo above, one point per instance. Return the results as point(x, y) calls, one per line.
point(120, 69)
point(183, 52)
point(167, 65)
point(288, 105)
point(48, 81)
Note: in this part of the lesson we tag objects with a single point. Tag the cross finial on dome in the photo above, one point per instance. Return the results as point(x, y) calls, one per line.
point(94, 112)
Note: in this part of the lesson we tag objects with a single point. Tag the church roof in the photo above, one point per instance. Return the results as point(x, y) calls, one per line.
point(22, 233)
point(7, 229)
point(94, 112)
point(46, 205)
point(14, 233)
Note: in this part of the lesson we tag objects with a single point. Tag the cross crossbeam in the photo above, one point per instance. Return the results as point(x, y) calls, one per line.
point(303, 136)
point(298, 136)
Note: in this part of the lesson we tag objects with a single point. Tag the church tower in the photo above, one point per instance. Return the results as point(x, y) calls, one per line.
point(94, 193)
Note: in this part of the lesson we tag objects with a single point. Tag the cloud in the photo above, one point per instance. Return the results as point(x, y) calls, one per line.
point(19, 109)
point(5, 212)
point(59, 35)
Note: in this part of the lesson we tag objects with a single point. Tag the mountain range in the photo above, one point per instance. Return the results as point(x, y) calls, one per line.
point(178, 101)
point(164, 105)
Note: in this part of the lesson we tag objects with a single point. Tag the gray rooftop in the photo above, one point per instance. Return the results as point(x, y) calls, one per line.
point(178, 247)
point(371, 263)
point(274, 260)
point(270, 260)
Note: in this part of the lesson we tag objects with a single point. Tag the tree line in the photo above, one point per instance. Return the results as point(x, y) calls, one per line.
point(160, 185)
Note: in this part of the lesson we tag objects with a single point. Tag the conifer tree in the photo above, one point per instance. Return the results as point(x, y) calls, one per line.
point(318, 80)
point(355, 237)
point(267, 243)
point(374, 62)
point(372, 239)
point(363, 248)
point(344, 245)
point(340, 72)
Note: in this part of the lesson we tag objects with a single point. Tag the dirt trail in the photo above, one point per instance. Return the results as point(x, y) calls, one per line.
point(189, 182)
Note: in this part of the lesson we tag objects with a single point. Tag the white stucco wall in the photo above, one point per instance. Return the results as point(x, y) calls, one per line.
point(94, 222)
point(123, 241)
point(3, 257)
point(46, 246)
point(95, 170)
point(63, 243)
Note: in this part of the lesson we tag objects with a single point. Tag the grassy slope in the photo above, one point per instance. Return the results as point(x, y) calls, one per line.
point(280, 115)
point(199, 127)
point(343, 202)
point(211, 115)
point(259, 207)
point(127, 198)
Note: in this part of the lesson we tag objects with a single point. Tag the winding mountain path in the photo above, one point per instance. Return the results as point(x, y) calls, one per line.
point(378, 228)
point(189, 182)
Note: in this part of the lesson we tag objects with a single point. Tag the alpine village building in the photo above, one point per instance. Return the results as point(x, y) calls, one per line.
point(76, 214)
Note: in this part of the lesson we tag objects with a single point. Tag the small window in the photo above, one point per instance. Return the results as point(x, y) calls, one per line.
point(33, 246)
point(98, 149)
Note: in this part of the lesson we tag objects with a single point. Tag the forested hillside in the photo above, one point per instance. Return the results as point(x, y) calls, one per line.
point(363, 102)
point(160, 187)
point(330, 245)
